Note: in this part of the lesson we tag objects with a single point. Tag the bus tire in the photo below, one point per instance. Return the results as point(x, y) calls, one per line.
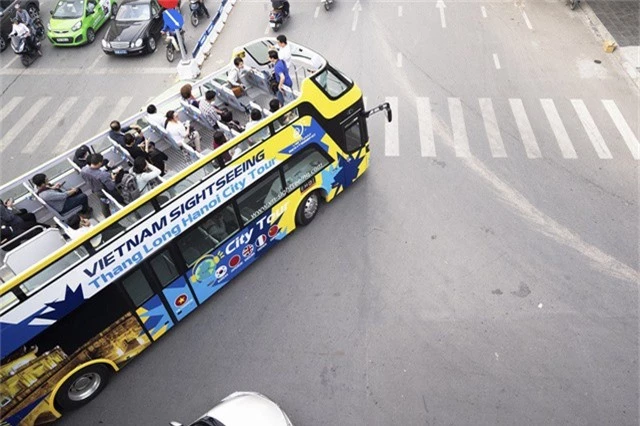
point(82, 386)
point(308, 209)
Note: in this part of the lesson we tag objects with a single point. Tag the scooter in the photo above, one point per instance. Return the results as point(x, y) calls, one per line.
point(172, 45)
point(28, 54)
point(277, 17)
point(327, 4)
point(197, 12)
point(38, 28)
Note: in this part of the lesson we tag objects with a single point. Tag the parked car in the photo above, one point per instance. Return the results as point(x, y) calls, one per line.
point(75, 22)
point(243, 409)
point(135, 29)
point(8, 12)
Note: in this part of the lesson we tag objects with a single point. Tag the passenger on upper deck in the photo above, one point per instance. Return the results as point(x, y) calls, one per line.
point(180, 133)
point(227, 119)
point(99, 180)
point(60, 200)
point(281, 74)
point(187, 96)
point(256, 116)
point(284, 51)
point(234, 77)
point(274, 105)
point(157, 158)
point(15, 222)
point(134, 150)
point(210, 112)
point(146, 174)
point(82, 155)
point(220, 139)
point(117, 132)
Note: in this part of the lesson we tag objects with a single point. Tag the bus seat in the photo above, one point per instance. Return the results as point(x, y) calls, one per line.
point(225, 94)
point(122, 150)
point(259, 79)
point(34, 250)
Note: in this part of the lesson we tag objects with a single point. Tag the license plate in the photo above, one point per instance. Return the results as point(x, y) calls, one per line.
point(120, 52)
point(63, 40)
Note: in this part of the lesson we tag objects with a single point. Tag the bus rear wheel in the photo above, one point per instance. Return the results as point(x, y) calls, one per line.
point(308, 209)
point(82, 386)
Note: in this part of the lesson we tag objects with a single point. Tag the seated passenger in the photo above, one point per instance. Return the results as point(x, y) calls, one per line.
point(157, 158)
point(256, 116)
point(180, 133)
point(80, 225)
point(274, 105)
point(210, 112)
point(220, 139)
point(16, 222)
point(146, 174)
point(234, 78)
point(81, 155)
point(134, 150)
point(58, 199)
point(117, 132)
point(227, 119)
point(156, 119)
point(187, 96)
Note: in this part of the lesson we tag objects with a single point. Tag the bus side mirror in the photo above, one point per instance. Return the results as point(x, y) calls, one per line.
point(389, 114)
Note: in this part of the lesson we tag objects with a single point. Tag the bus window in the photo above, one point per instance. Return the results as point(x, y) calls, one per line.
point(302, 167)
point(287, 118)
point(7, 300)
point(221, 223)
point(258, 199)
point(137, 287)
point(332, 82)
point(353, 136)
point(194, 243)
point(164, 268)
point(37, 281)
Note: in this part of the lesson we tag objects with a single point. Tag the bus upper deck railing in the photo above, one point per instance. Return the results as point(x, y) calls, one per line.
point(62, 168)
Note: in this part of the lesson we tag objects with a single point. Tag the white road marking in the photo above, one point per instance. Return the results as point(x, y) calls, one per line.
point(399, 11)
point(52, 122)
point(564, 142)
point(315, 14)
point(440, 5)
point(526, 132)
point(266, 30)
point(356, 9)
point(95, 71)
point(621, 124)
point(8, 64)
point(425, 126)
point(364, 101)
point(10, 106)
point(526, 19)
point(391, 137)
point(496, 61)
point(23, 122)
point(117, 112)
point(484, 11)
point(69, 139)
point(399, 60)
point(95, 61)
point(592, 130)
point(460, 139)
point(492, 129)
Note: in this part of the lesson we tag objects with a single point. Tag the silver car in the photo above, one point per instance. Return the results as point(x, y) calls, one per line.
point(243, 409)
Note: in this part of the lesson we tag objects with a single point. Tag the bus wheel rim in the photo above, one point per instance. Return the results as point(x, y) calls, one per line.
point(310, 207)
point(84, 386)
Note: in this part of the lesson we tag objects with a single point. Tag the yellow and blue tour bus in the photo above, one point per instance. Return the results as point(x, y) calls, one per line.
point(77, 307)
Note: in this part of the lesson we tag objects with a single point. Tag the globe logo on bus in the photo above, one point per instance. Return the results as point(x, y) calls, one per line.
point(203, 270)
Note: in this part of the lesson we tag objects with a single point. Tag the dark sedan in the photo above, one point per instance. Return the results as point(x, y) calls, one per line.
point(135, 29)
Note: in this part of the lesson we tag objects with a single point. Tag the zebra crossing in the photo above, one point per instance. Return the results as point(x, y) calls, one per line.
point(588, 122)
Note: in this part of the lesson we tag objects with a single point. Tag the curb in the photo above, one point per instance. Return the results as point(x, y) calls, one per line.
point(628, 57)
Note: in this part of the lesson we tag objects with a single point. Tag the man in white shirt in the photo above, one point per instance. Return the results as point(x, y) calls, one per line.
point(284, 51)
point(155, 119)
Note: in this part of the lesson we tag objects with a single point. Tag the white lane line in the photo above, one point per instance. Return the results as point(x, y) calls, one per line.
point(266, 30)
point(23, 122)
point(592, 130)
point(51, 123)
point(391, 137)
point(627, 134)
point(526, 19)
point(492, 129)
point(69, 139)
point(11, 61)
point(399, 60)
point(496, 61)
point(484, 11)
point(399, 11)
point(10, 106)
point(356, 9)
point(95, 71)
point(315, 14)
point(95, 61)
point(564, 142)
point(460, 139)
point(440, 5)
point(117, 112)
point(425, 126)
point(526, 132)
point(364, 101)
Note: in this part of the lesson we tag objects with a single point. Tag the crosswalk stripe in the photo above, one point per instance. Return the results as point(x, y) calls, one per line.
point(117, 112)
point(627, 134)
point(524, 126)
point(69, 139)
point(564, 142)
point(10, 106)
point(492, 129)
point(44, 131)
point(591, 129)
point(460, 139)
point(23, 122)
point(391, 139)
point(425, 126)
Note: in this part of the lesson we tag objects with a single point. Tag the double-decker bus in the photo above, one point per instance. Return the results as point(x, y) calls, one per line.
point(76, 308)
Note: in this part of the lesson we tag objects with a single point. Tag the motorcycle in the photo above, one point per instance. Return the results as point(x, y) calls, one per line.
point(28, 51)
point(277, 16)
point(38, 28)
point(197, 12)
point(172, 45)
point(327, 4)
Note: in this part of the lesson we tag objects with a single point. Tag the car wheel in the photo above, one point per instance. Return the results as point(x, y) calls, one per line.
point(91, 35)
point(82, 386)
point(3, 43)
point(308, 209)
point(33, 10)
point(151, 45)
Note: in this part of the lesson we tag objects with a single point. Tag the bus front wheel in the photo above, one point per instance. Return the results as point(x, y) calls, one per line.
point(82, 386)
point(308, 209)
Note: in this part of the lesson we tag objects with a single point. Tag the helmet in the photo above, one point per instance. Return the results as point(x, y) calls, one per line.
point(17, 6)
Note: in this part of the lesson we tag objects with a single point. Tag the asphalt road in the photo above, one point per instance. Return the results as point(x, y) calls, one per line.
point(466, 279)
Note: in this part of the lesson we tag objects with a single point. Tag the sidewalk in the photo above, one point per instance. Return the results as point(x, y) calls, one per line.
point(619, 20)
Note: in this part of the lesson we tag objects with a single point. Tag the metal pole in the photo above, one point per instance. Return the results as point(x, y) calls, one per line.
point(183, 50)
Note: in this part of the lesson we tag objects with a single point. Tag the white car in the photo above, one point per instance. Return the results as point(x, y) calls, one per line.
point(243, 409)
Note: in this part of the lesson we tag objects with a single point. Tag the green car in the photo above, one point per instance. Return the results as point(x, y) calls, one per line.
point(75, 22)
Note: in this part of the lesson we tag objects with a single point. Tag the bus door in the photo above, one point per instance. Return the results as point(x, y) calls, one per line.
point(355, 143)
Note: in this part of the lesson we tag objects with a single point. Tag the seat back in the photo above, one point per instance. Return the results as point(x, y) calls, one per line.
point(33, 250)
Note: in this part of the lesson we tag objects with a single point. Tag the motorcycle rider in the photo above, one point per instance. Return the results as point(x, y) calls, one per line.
point(281, 5)
point(20, 30)
point(24, 17)
point(204, 8)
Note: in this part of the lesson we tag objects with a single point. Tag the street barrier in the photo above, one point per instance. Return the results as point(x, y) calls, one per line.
point(203, 47)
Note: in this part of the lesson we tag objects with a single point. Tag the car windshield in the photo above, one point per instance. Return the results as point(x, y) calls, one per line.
point(69, 9)
point(130, 12)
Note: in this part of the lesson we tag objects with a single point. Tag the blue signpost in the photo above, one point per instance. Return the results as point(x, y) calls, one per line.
point(174, 21)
